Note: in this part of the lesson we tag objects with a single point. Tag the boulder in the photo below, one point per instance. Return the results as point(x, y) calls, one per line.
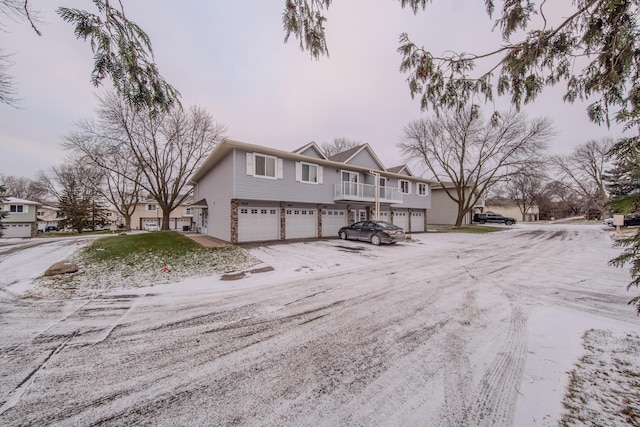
point(62, 267)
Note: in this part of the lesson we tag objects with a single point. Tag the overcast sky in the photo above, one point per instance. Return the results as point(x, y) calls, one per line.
point(229, 57)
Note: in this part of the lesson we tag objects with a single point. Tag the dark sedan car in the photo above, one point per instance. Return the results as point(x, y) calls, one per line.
point(631, 220)
point(375, 232)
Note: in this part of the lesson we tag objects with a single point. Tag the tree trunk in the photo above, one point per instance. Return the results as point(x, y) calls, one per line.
point(460, 217)
point(127, 221)
point(166, 213)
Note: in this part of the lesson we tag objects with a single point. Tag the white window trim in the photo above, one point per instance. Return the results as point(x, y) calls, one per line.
point(319, 173)
point(400, 181)
point(351, 173)
point(251, 166)
point(25, 208)
point(147, 207)
point(426, 189)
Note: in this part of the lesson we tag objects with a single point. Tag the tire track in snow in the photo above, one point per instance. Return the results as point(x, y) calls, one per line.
point(497, 394)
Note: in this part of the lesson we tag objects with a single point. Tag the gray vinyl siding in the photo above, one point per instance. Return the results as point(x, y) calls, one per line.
point(216, 187)
point(364, 159)
point(414, 201)
point(20, 217)
point(311, 152)
point(249, 187)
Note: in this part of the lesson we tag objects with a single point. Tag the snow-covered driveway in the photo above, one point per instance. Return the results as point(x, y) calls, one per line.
point(452, 329)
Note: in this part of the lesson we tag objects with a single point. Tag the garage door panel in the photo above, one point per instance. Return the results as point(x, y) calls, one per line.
point(400, 219)
point(301, 223)
point(332, 221)
point(258, 224)
point(417, 222)
point(16, 231)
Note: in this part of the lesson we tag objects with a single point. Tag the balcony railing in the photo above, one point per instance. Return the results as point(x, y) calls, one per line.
point(365, 193)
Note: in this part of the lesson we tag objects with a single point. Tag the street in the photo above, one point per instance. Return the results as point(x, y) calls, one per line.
point(451, 329)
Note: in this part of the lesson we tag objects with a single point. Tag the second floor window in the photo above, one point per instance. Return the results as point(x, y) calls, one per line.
point(309, 173)
point(16, 208)
point(422, 189)
point(405, 186)
point(265, 166)
point(151, 207)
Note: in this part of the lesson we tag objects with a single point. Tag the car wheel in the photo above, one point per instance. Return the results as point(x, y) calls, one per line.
point(483, 222)
point(375, 239)
point(343, 235)
point(508, 222)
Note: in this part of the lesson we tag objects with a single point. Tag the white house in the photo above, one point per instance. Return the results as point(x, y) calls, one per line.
point(22, 218)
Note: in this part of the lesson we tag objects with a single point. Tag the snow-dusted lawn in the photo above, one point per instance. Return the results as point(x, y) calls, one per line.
point(451, 329)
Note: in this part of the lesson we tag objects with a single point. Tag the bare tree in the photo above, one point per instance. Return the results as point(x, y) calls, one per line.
point(582, 171)
point(525, 188)
point(24, 188)
point(460, 147)
point(338, 146)
point(115, 177)
point(165, 148)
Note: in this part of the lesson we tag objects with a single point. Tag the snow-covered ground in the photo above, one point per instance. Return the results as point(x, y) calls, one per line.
point(450, 329)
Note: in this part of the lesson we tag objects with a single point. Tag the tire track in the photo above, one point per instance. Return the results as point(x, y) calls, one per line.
point(497, 393)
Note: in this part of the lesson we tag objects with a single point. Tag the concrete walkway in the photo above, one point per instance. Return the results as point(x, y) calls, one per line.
point(206, 241)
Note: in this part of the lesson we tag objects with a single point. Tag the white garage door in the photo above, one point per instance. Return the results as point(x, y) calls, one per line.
point(257, 224)
point(16, 230)
point(332, 221)
point(179, 223)
point(152, 222)
point(384, 216)
point(417, 222)
point(400, 219)
point(301, 223)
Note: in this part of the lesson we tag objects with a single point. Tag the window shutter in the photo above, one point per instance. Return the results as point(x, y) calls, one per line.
point(298, 171)
point(408, 187)
point(280, 169)
point(319, 174)
point(249, 163)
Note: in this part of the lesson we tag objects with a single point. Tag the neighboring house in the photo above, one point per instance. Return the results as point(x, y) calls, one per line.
point(113, 217)
point(22, 219)
point(48, 216)
point(248, 192)
point(444, 210)
point(509, 207)
point(148, 212)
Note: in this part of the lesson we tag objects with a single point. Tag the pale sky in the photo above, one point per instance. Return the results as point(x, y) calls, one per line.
point(229, 57)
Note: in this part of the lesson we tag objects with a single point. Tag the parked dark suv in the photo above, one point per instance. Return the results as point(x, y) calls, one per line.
point(483, 218)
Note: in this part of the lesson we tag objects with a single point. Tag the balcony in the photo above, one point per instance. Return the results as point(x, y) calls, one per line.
point(351, 191)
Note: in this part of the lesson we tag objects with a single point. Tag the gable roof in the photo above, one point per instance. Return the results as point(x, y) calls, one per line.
point(400, 169)
point(226, 146)
point(348, 155)
point(201, 204)
point(311, 145)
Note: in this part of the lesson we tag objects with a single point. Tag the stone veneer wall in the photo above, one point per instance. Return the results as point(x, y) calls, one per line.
point(283, 221)
point(234, 221)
